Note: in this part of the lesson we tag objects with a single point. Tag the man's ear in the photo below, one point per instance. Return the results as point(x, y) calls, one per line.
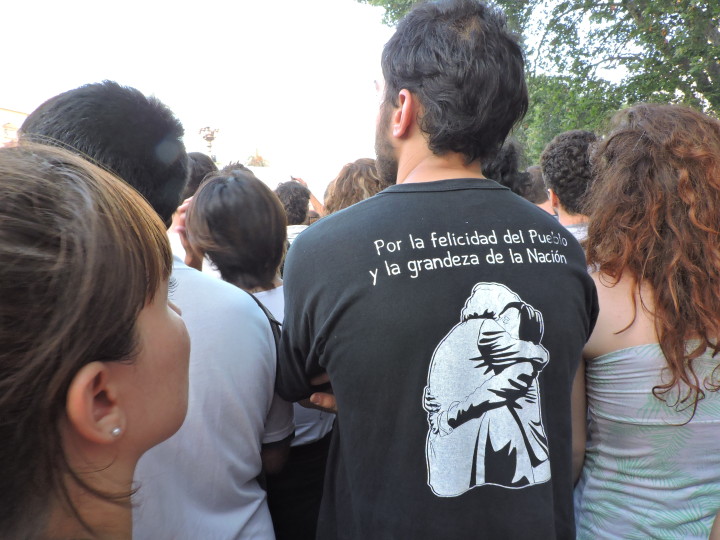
point(554, 201)
point(405, 114)
point(92, 405)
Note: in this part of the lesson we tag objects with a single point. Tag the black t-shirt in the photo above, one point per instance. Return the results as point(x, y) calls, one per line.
point(450, 317)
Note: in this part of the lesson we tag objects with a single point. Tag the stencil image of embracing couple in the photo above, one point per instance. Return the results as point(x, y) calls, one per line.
point(483, 399)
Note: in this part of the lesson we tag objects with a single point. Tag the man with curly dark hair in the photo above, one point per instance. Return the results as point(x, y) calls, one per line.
point(431, 309)
point(565, 164)
point(295, 198)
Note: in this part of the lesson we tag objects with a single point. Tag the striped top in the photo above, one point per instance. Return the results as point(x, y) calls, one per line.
point(648, 472)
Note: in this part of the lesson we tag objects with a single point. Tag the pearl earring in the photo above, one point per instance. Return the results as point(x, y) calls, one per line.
point(116, 432)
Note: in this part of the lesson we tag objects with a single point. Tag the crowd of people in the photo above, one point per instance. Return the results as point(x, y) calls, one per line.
point(447, 346)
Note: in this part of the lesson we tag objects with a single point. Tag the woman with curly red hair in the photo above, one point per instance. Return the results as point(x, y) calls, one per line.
point(652, 465)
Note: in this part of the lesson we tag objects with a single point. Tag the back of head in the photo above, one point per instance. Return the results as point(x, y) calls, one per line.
point(466, 68)
point(241, 225)
point(504, 167)
point(80, 255)
point(356, 182)
point(135, 137)
point(565, 164)
point(199, 166)
point(535, 190)
point(295, 199)
point(653, 209)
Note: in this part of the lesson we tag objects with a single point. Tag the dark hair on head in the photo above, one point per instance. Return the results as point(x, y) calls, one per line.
point(466, 68)
point(241, 226)
point(295, 198)
point(534, 190)
point(80, 255)
point(356, 182)
point(199, 166)
point(133, 136)
point(653, 209)
point(504, 167)
point(565, 164)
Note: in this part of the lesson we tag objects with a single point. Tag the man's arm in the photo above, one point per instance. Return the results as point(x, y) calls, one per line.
point(279, 433)
point(275, 454)
point(300, 344)
point(579, 421)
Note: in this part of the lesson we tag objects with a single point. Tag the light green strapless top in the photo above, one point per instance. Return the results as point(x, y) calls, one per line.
point(648, 473)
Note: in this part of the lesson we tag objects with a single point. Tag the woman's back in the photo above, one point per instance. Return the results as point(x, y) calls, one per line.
point(652, 372)
point(650, 470)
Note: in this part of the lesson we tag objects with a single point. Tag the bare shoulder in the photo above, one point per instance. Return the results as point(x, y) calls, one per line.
point(625, 317)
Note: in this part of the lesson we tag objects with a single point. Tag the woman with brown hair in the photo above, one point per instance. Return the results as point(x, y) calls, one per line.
point(93, 357)
point(356, 182)
point(652, 466)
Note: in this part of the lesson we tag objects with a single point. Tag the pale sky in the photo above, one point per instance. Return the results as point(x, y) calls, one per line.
point(293, 79)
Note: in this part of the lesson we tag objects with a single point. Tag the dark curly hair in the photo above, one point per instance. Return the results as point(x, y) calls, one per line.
point(504, 168)
point(467, 70)
point(565, 164)
point(295, 198)
point(653, 209)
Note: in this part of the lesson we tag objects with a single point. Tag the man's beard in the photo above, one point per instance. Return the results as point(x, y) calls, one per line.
point(385, 161)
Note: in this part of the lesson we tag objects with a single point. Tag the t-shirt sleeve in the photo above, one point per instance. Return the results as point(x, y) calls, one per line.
point(280, 422)
point(299, 345)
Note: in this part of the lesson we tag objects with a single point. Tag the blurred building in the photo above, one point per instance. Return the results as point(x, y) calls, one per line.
point(10, 122)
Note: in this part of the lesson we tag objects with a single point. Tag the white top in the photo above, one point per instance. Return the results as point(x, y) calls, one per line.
point(578, 230)
point(293, 231)
point(310, 424)
point(201, 483)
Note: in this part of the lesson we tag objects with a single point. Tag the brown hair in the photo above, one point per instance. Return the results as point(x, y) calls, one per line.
point(654, 214)
point(81, 253)
point(357, 181)
point(241, 225)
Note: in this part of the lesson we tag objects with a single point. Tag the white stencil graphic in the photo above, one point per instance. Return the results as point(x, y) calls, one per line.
point(483, 400)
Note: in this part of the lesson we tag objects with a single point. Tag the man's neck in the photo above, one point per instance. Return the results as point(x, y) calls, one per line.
point(566, 218)
point(428, 167)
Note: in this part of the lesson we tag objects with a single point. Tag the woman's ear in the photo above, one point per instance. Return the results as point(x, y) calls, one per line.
point(92, 405)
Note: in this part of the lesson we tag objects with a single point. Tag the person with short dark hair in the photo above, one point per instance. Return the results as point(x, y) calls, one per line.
point(201, 483)
point(295, 198)
point(504, 167)
point(89, 343)
point(199, 166)
point(565, 164)
point(431, 309)
point(148, 150)
point(239, 224)
point(535, 190)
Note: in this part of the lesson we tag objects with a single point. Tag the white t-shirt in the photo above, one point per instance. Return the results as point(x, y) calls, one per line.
point(201, 483)
point(310, 424)
point(293, 231)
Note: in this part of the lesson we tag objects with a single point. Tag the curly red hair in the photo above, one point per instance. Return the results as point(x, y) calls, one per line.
point(654, 212)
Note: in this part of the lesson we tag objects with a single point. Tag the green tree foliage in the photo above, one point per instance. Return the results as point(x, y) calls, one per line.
point(667, 50)
point(559, 104)
point(670, 49)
